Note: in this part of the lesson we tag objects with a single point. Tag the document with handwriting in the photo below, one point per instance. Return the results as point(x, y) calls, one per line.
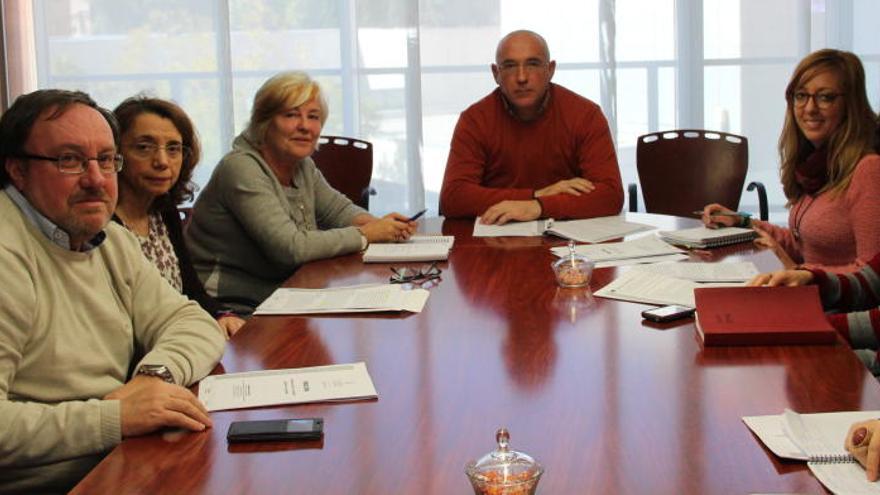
point(287, 386)
point(356, 299)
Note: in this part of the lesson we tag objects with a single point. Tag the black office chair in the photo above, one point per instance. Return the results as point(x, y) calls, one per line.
point(682, 171)
point(347, 164)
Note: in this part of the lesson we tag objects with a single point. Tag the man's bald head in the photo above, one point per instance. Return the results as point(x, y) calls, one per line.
point(518, 35)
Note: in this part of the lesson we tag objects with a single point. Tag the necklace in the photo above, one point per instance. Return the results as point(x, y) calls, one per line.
point(140, 227)
point(799, 217)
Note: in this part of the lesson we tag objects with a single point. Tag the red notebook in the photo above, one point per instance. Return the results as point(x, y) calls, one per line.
point(762, 316)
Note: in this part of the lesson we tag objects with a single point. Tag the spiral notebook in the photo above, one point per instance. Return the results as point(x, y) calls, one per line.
point(703, 237)
point(817, 439)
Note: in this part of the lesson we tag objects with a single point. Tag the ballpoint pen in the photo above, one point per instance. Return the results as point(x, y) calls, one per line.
point(720, 213)
point(416, 216)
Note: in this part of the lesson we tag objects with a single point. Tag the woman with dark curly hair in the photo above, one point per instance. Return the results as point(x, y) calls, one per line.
point(160, 149)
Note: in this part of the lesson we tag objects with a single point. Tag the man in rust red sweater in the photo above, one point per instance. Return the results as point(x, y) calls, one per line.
point(531, 148)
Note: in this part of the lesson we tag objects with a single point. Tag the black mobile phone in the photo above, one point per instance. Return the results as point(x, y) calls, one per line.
point(275, 429)
point(667, 313)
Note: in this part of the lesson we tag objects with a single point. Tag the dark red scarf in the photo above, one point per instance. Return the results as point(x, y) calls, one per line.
point(812, 173)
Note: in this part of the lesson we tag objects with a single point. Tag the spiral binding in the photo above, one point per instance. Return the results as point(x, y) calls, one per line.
point(832, 458)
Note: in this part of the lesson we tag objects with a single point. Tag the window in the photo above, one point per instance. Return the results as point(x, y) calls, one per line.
point(399, 72)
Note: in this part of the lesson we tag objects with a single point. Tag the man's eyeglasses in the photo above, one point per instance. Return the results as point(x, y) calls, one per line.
point(415, 275)
point(530, 66)
point(149, 150)
point(822, 100)
point(75, 164)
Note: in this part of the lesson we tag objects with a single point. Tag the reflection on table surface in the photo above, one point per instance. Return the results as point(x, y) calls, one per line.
point(607, 402)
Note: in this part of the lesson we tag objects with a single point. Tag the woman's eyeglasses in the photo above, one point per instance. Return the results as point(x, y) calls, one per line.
point(415, 275)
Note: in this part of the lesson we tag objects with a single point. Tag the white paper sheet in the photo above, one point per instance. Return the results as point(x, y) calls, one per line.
point(358, 299)
point(587, 230)
point(596, 229)
point(417, 248)
point(739, 271)
point(513, 229)
point(798, 436)
point(650, 288)
point(287, 386)
point(642, 247)
point(666, 258)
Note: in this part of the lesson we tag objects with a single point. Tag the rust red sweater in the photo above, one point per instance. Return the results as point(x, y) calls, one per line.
point(496, 157)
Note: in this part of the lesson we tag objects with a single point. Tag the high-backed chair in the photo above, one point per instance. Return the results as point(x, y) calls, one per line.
point(347, 164)
point(682, 171)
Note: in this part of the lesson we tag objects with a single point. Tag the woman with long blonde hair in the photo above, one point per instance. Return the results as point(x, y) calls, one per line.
point(829, 170)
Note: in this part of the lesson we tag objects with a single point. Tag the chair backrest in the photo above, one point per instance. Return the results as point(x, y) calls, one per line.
point(347, 164)
point(682, 171)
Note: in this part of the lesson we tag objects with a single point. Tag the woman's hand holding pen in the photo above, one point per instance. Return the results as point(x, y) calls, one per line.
point(715, 216)
point(393, 227)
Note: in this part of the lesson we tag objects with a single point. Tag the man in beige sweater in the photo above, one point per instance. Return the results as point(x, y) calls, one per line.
point(94, 345)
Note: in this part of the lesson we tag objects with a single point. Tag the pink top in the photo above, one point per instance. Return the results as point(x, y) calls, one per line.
point(838, 233)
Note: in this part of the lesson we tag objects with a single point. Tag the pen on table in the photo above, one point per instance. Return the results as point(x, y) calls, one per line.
point(416, 216)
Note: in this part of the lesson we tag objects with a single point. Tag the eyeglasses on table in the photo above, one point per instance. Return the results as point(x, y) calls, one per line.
point(405, 275)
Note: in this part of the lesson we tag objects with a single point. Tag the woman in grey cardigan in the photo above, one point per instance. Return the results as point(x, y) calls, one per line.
point(267, 209)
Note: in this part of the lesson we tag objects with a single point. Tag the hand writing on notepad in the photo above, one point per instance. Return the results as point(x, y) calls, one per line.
point(863, 442)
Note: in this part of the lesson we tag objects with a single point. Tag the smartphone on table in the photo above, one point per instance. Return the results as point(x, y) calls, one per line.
point(275, 430)
point(667, 313)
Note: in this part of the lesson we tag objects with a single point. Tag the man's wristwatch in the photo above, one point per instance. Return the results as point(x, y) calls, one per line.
point(158, 370)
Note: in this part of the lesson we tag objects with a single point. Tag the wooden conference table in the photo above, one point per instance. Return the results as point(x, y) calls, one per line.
point(606, 402)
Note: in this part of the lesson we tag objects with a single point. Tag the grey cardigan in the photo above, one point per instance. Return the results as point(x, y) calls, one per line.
point(248, 233)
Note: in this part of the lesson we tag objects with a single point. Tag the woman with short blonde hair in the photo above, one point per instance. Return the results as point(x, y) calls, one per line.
point(267, 209)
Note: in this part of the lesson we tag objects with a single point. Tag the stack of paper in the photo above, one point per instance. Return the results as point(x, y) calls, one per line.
point(647, 249)
point(357, 299)
point(587, 230)
point(287, 386)
point(648, 287)
point(417, 248)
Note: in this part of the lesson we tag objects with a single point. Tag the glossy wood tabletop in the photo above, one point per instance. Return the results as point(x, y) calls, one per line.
point(607, 402)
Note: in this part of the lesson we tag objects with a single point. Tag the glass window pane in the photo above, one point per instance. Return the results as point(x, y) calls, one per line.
point(645, 30)
point(758, 117)
point(866, 33)
point(569, 26)
point(751, 28)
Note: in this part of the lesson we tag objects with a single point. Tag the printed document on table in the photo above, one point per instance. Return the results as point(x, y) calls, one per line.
point(642, 286)
point(740, 271)
point(356, 299)
point(664, 258)
point(586, 230)
point(514, 229)
point(287, 386)
point(642, 247)
point(596, 229)
point(417, 248)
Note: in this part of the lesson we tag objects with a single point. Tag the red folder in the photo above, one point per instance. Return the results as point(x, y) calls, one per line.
point(762, 316)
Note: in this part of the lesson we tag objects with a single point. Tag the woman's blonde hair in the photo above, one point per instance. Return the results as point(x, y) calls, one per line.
point(279, 93)
point(851, 141)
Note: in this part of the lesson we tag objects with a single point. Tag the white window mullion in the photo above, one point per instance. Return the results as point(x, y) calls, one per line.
point(689, 63)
